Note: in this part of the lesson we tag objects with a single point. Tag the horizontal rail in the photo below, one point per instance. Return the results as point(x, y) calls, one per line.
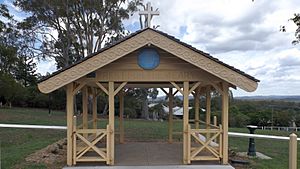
point(91, 131)
point(234, 134)
point(32, 126)
point(205, 130)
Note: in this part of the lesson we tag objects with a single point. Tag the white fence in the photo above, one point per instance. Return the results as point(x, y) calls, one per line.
point(292, 138)
point(32, 126)
point(279, 128)
point(292, 144)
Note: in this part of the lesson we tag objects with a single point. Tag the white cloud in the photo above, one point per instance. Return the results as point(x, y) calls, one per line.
point(244, 34)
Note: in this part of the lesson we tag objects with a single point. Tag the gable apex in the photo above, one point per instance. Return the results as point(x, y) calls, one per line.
point(138, 40)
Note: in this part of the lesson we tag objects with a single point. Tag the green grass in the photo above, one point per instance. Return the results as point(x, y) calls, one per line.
point(16, 144)
point(278, 150)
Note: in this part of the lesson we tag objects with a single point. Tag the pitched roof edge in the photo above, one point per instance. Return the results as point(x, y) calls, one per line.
point(93, 54)
point(207, 55)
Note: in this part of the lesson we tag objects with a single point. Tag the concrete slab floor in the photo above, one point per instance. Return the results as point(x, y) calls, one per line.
point(157, 167)
point(150, 155)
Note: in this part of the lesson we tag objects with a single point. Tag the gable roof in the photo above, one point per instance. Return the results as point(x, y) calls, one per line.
point(133, 42)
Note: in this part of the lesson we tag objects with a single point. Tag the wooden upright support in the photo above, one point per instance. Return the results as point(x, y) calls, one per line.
point(215, 121)
point(70, 112)
point(293, 151)
point(197, 106)
point(171, 114)
point(95, 119)
point(225, 122)
point(111, 122)
point(85, 109)
point(208, 105)
point(121, 116)
point(208, 112)
point(74, 140)
point(185, 122)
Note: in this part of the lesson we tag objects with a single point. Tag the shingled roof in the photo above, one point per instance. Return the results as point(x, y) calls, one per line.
point(207, 55)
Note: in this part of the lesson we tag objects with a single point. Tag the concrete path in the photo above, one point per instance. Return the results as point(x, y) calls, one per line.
point(157, 167)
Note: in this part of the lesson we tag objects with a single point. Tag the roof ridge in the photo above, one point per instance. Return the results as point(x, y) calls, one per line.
point(131, 35)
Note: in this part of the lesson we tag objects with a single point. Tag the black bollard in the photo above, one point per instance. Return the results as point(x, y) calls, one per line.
point(251, 148)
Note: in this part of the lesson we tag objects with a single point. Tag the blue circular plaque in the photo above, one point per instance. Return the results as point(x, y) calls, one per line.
point(148, 58)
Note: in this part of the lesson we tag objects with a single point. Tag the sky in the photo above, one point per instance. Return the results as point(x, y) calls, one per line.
point(241, 33)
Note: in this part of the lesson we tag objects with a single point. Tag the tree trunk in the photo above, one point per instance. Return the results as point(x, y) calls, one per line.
point(145, 110)
point(105, 109)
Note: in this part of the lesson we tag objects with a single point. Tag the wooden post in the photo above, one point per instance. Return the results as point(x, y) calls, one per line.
point(215, 121)
point(208, 105)
point(121, 115)
point(293, 151)
point(185, 121)
point(189, 144)
point(171, 115)
point(108, 144)
point(208, 112)
point(216, 124)
point(225, 122)
point(95, 118)
point(111, 119)
point(70, 112)
point(74, 140)
point(197, 106)
point(85, 109)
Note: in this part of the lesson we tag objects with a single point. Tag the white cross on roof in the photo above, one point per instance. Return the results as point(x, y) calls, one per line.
point(149, 13)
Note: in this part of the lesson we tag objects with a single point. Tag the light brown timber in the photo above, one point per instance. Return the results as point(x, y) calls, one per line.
point(70, 112)
point(95, 119)
point(74, 139)
point(185, 120)
point(293, 151)
point(170, 115)
point(197, 106)
point(225, 122)
point(111, 120)
point(108, 145)
point(85, 109)
point(208, 109)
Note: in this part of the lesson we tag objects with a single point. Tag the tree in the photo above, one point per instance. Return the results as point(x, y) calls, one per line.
point(8, 51)
point(296, 20)
point(10, 89)
point(83, 27)
point(142, 94)
point(17, 69)
point(25, 72)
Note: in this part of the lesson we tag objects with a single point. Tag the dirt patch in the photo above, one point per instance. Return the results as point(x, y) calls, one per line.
point(233, 156)
point(53, 156)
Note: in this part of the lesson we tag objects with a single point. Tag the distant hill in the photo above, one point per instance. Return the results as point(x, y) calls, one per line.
point(271, 97)
point(160, 98)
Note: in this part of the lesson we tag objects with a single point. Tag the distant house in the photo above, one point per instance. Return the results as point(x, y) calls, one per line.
point(177, 111)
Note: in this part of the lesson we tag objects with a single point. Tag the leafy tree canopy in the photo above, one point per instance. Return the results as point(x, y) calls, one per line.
point(82, 27)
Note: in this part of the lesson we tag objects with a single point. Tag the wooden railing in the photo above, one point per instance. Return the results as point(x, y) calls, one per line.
point(90, 145)
point(202, 147)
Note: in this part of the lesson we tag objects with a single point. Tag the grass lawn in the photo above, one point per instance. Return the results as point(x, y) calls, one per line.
point(278, 150)
point(16, 144)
